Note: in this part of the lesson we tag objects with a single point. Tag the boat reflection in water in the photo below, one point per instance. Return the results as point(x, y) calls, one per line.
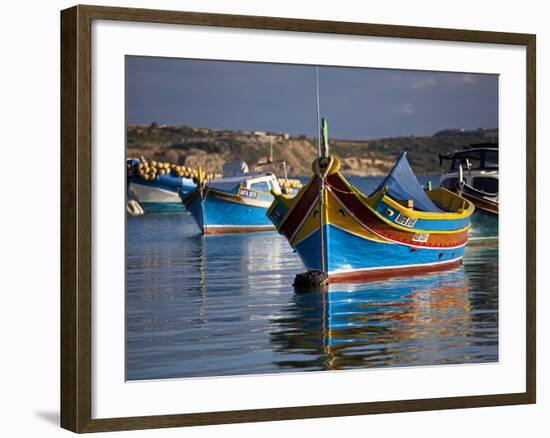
point(223, 305)
point(424, 320)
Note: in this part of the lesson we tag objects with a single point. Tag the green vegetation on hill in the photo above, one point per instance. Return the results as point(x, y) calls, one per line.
point(212, 148)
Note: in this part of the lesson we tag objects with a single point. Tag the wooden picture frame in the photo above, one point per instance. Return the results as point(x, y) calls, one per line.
point(76, 218)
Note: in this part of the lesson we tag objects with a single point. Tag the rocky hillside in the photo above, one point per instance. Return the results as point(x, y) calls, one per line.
point(212, 148)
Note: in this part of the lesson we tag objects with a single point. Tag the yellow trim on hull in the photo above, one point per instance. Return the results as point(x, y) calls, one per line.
point(308, 225)
point(442, 198)
point(415, 230)
point(334, 217)
point(348, 222)
point(458, 208)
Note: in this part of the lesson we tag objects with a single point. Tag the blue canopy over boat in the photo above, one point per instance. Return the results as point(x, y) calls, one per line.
point(403, 185)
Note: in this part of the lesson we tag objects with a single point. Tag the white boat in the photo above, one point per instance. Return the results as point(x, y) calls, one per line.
point(156, 191)
point(235, 203)
point(473, 174)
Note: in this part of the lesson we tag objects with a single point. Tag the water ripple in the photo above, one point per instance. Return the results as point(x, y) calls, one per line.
point(224, 305)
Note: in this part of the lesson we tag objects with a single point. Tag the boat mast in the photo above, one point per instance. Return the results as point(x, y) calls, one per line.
point(321, 152)
point(318, 110)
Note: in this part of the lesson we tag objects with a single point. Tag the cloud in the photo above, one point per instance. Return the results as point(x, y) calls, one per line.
point(406, 108)
point(421, 82)
point(468, 79)
point(415, 81)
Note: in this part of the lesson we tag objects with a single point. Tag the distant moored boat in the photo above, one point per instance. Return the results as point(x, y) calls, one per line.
point(156, 186)
point(473, 174)
point(236, 203)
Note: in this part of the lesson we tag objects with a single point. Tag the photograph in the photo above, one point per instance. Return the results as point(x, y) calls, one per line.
point(267, 219)
point(290, 218)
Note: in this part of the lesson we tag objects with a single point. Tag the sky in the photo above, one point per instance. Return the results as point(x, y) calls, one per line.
point(359, 103)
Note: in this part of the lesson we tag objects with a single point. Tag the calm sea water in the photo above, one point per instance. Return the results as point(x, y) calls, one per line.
point(225, 305)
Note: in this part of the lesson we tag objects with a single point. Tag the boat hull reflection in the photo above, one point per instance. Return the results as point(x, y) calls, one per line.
point(223, 305)
point(383, 323)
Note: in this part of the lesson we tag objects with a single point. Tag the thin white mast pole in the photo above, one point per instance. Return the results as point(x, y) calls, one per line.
point(318, 109)
point(322, 186)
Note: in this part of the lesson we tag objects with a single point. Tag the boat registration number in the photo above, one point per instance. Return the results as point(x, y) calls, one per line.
point(406, 221)
point(420, 237)
point(248, 194)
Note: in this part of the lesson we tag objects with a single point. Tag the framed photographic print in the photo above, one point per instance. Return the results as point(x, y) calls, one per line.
point(268, 218)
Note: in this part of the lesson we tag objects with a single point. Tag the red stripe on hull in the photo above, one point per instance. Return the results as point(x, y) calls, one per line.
point(297, 215)
point(367, 218)
point(235, 230)
point(379, 274)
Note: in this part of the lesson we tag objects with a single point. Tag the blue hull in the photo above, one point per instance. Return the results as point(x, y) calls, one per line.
point(165, 182)
point(163, 207)
point(215, 216)
point(425, 224)
point(161, 195)
point(349, 253)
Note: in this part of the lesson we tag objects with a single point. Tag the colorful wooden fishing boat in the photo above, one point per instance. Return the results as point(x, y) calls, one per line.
point(232, 204)
point(398, 229)
point(473, 174)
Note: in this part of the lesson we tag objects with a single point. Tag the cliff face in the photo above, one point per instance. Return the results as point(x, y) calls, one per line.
point(212, 148)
